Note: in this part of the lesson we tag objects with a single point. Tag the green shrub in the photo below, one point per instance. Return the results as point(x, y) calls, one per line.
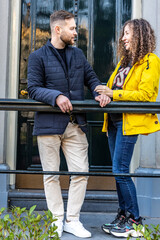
point(26, 224)
point(147, 232)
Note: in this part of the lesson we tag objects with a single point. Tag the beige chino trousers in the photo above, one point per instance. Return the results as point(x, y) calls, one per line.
point(75, 148)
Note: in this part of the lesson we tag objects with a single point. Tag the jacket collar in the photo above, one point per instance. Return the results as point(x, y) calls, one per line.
point(144, 59)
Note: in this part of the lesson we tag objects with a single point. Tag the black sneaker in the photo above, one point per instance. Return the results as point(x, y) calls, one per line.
point(119, 218)
point(125, 229)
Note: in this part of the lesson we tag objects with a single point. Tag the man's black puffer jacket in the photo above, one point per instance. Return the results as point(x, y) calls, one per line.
point(48, 78)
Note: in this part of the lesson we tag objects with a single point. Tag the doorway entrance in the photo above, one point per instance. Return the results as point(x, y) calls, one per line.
point(98, 25)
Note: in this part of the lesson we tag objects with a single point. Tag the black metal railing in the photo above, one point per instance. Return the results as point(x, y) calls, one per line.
point(89, 106)
point(81, 106)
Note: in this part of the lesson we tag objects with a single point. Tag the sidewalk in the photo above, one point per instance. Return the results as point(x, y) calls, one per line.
point(93, 222)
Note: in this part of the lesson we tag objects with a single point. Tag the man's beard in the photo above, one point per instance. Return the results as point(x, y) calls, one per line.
point(66, 41)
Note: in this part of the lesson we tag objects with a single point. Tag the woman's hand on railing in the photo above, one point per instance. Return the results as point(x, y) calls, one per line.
point(101, 89)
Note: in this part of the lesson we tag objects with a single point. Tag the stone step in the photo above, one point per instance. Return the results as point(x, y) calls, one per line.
point(95, 201)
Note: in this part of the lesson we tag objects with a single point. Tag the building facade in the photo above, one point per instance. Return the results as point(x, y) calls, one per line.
point(25, 27)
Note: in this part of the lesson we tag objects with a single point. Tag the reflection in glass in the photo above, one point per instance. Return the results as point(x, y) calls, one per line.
point(83, 26)
point(104, 35)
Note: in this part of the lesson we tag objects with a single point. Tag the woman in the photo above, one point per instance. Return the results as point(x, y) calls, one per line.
point(136, 78)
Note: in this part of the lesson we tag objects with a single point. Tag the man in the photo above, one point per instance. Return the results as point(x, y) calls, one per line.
point(57, 73)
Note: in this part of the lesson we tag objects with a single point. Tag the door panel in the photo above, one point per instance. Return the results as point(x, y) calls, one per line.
point(36, 182)
point(98, 25)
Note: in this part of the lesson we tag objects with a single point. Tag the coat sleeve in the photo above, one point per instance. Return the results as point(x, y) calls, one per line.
point(36, 82)
point(90, 78)
point(147, 87)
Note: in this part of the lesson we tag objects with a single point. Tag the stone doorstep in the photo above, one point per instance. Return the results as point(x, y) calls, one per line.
point(95, 201)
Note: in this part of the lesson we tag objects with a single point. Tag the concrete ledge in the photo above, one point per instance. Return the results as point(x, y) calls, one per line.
point(4, 186)
point(148, 193)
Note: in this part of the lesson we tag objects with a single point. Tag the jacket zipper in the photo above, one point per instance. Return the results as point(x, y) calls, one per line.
point(64, 68)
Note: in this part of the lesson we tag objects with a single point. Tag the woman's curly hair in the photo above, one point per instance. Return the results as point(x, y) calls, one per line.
point(143, 42)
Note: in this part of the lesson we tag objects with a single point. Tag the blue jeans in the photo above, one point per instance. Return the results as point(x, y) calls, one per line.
point(121, 149)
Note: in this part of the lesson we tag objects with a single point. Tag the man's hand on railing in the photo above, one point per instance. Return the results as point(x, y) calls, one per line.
point(103, 100)
point(64, 103)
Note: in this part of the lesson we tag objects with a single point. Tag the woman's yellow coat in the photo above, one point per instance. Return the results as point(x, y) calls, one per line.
point(141, 85)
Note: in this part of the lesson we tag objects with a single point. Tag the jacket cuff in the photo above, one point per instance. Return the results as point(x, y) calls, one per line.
point(118, 95)
point(55, 97)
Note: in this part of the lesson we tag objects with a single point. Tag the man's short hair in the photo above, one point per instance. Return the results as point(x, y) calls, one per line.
point(60, 15)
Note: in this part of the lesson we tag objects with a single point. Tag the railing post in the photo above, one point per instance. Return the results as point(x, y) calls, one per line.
point(4, 186)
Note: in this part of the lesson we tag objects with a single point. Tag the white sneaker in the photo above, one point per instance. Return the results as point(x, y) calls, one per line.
point(77, 229)
point(59, 225)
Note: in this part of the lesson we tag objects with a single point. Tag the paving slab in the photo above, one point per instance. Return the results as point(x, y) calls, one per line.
point(94, 221)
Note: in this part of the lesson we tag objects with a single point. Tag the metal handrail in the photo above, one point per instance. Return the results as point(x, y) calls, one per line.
point(89, 106)
point(81, 106)
point(97, 174)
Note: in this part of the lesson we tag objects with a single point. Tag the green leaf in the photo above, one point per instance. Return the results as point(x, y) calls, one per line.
point(32, 209)
point(6, 217)
point(2, 210)
point(23, 209)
